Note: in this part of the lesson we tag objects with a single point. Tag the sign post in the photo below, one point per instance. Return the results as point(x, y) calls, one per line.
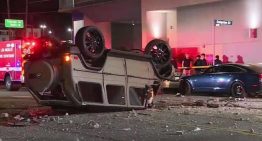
point(14, 23)
point(223, 22)
point(218, 23)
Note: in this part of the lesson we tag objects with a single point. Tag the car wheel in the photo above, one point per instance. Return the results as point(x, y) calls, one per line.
point(90, 42)
point(160, 52)
point(166, 71)
point(185, 88)
point(9, 85)
point(238, 90)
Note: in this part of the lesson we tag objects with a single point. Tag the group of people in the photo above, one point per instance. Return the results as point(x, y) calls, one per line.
point(199, 63)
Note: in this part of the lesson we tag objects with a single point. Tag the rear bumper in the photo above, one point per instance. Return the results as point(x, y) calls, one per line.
point(257, 89)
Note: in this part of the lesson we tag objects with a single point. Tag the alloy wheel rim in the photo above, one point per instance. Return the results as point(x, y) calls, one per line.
point(239, 90)
point(93, 42)
point(159, 53)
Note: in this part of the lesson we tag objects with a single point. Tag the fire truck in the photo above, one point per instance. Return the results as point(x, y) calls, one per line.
point(11, 64)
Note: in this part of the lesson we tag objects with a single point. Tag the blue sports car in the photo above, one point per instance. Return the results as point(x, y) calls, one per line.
point(234, 79)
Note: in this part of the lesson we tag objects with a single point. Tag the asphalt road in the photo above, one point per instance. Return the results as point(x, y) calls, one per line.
point(173, 118)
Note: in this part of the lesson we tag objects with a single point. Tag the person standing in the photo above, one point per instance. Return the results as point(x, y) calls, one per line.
point(198, 63)
point(203, 61)
point(217, 60)
point(186, 65)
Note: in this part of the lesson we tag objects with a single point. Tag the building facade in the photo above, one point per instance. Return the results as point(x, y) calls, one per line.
point(190, 26)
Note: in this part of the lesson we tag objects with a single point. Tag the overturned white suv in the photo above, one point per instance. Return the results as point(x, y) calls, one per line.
point(86, 74)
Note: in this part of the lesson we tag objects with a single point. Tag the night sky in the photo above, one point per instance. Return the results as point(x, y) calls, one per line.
point(40, 12)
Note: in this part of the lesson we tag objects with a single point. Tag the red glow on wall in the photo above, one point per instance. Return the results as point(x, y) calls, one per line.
point(179, 53)
point(253, 33)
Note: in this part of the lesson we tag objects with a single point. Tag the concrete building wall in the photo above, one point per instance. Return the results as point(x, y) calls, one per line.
point(102, 15)
point(232, 42)
point(104, 27)
point(167, 8)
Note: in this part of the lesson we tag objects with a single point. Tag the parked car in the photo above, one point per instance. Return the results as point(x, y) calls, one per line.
point(234, 79)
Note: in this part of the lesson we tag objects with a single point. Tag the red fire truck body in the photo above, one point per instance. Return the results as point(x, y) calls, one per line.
point(11, 64)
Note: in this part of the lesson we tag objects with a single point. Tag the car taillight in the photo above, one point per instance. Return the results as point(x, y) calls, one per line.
point(260, 77)
point(67, 58)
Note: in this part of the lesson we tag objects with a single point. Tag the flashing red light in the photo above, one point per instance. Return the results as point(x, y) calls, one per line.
point(28, 46)
point(30, 43)
point(33, 43)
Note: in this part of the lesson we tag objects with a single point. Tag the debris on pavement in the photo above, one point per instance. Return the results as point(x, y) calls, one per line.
point(4, 115)
point(19, 118)
point(39, 111)
point(18, 124)
point(132, 113)
point(197, 129)
point(179, 133)
point(93, 125)
point(200, 103)
point(252, 131)
point(240, 99)
point(186, 112)
point(212, 105)
point(126, 129)
point(179, 95)
point(144, 114)
point(243, 119)
point(211, 123)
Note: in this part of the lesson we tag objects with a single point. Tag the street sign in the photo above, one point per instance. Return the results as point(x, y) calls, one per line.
point(13, 23)
point(223, 22)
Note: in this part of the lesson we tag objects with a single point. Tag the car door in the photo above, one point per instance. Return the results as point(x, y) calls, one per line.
point(219, 79)
point(203, 82)
point(224, 76)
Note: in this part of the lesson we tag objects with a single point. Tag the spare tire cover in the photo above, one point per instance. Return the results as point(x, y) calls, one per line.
point(41, 76)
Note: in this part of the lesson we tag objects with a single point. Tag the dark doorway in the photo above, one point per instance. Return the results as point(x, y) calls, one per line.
point(126, 36)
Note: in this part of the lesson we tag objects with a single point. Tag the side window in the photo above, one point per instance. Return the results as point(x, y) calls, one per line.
point(210, 70)
point(136, 96)
point(116, 94)
point(231, 69)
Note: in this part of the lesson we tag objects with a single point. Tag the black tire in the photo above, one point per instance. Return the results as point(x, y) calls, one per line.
point(165, 71)
point(160, 52)
point(238, 90)
point(90, 42)
point(11, 86)
point(185, 88)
